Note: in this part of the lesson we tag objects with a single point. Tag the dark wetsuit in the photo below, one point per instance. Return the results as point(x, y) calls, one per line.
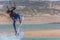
point(14, 16)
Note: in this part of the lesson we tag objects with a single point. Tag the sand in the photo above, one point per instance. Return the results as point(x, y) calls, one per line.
point(44, 19)
point(36, 33)
point(42, 33)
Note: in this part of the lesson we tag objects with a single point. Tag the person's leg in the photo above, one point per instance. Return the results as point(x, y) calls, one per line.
point(18, 17)
point(14, 25)
point(20, 20)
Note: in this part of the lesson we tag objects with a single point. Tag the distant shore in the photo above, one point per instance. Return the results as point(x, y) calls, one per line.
point(43, 19)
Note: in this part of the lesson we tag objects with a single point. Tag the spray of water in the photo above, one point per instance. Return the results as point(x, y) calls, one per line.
point(20, 30)
point(7, 37)
point(13, 37)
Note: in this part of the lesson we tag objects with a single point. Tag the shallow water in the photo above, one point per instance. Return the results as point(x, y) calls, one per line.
point(33, 26)
point(6, 37)
point(13, 37)
point(41, 39)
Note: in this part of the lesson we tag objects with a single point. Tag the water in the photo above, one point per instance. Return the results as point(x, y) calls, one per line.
point(41, 39)
point(6, 37)
point(31, 26)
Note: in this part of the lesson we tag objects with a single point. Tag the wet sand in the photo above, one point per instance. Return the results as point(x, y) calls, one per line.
point(36, 33)
point(42, 33)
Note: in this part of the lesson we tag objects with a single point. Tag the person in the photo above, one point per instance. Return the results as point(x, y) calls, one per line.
point(14, 16)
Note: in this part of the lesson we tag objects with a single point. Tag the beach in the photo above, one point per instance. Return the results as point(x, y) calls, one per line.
point(37, 33)
point(42, 33)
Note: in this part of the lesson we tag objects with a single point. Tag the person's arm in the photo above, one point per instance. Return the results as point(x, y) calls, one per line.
point(14, 6)
point(8, 10)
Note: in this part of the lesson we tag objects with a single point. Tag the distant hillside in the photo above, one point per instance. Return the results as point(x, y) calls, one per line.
point(28, 2)
point(33, 6)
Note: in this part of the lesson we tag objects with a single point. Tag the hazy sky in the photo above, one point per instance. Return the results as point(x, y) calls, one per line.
point(51, 0)
point(4, 0)
point(44, 0)
point(54, 0)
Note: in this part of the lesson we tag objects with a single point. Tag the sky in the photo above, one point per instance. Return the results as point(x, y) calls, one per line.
point(54, 0)
point(44, 0)
point(4, 0)
point(51, 0)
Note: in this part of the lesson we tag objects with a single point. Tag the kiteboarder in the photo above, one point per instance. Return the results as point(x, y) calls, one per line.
point(14, 16)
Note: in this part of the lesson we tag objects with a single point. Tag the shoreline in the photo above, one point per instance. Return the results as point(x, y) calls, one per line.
point(37, 33)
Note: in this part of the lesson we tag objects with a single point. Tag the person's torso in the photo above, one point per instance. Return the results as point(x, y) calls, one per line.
point(14, 15)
